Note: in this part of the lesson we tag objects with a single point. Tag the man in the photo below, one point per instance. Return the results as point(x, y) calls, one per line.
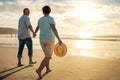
point(24, 36)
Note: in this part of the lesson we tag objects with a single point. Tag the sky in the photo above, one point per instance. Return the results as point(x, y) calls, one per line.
point(75, 17)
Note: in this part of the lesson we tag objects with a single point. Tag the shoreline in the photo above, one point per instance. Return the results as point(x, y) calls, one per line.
point(68, 52)
point(77, 47)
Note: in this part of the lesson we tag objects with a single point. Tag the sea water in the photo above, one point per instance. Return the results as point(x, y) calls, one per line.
point(101, 48)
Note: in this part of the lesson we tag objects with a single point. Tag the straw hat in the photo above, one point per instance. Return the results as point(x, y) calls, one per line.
point(60, 50)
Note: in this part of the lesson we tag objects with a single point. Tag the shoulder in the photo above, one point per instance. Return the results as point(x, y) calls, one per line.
point(23, 17)
point(40, 18)
point(50, 17)
point(26, 17)
point(51, 20)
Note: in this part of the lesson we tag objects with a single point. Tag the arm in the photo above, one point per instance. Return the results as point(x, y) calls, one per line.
point(55, 32)
point(31, 29)
point(37, 28)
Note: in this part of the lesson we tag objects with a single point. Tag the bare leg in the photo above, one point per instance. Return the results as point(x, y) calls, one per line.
point(43, 64)
point(47, 65)
point(30, 60)
point(19, 62)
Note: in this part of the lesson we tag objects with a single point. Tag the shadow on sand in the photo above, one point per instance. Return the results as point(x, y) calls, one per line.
point(43, 75)
point(13, 72)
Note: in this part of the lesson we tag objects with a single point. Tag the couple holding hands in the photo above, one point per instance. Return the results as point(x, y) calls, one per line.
point(48, 31)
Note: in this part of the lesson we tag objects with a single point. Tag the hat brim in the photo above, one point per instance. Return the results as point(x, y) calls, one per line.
point(60, 50)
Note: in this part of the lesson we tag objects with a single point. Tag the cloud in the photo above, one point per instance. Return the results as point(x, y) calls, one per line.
point(108, 2)
point(66, 13)
point(14, 6)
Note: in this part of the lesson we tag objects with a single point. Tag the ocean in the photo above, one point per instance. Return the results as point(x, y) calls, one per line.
point(99, 46)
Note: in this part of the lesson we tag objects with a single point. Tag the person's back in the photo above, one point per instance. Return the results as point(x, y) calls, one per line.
point(24, 37)
point(48, 31)
point(45, 29)
point(23, 31)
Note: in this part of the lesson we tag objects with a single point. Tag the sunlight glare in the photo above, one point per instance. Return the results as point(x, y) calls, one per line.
point(84, 53)
point(85, 35)
point(87, 11)
point(85, 44)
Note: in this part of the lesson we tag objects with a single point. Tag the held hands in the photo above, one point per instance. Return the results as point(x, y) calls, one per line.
point(34, 34)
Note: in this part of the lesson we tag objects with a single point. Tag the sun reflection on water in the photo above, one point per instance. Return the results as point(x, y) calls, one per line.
point(84, 47)
point(85, 44)
point(85, 53)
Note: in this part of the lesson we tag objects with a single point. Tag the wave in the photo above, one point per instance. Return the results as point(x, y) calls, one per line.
point(75, 37)
point(100, 38)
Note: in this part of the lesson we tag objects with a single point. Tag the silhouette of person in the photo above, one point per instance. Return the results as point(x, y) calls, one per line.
point(24, 36)
point(48, 31)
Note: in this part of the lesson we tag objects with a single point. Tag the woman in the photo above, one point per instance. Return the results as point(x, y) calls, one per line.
point(48, 31)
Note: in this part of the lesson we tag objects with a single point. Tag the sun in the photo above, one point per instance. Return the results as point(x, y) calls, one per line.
point(87, 11)
point(85, 44)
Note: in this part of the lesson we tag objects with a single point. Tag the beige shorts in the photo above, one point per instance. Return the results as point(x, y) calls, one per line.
point(47, 46)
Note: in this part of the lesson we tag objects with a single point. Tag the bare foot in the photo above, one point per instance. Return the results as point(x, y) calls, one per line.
point(19, 65)
point(39, 74)
point(32, 63)
point(47, 71)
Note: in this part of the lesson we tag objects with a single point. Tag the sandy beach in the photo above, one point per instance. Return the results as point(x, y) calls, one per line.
point(69, 67)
